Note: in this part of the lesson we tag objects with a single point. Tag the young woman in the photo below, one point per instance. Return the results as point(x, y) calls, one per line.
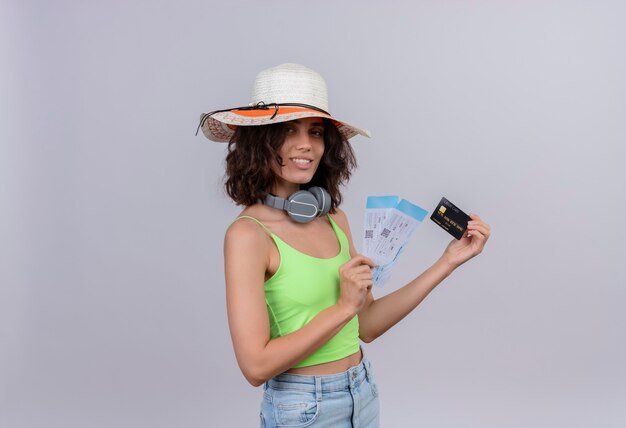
point(298, 293)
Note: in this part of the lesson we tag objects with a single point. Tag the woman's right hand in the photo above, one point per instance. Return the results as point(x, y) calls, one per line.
point(355, 281)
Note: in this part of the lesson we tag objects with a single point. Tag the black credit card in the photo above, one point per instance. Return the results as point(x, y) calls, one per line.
point(450, 218)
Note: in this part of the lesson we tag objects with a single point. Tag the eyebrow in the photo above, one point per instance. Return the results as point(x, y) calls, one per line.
point(312, 124)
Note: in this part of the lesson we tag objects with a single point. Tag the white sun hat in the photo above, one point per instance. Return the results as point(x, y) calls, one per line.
point(282, 93)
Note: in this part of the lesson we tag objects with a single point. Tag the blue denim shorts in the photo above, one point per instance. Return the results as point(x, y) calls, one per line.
point(347, 399)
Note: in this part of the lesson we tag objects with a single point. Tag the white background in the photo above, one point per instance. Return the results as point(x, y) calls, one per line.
point(112, 214)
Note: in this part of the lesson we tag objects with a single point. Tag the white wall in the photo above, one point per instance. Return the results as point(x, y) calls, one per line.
point(112, 214)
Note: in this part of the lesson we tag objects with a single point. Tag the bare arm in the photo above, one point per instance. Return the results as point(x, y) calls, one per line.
point(246, 258)
point(378, 316)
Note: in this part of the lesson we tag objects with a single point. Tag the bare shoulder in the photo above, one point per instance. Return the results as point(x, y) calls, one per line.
point(245, 233)
point(339, 216)
point(246, 253)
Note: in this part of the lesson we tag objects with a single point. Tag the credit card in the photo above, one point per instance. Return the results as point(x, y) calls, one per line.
point(450, 218)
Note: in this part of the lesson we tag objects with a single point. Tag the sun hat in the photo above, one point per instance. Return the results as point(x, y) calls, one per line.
point(279, 94)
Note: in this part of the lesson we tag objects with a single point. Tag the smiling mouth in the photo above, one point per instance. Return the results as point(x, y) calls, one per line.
point(301, 161)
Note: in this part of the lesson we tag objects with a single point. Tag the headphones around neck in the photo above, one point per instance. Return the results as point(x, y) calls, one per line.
point(304, 205)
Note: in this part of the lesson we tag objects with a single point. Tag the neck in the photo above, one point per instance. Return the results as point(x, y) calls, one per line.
point(285, 191)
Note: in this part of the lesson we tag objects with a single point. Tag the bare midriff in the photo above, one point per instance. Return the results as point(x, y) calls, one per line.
point(331, 367)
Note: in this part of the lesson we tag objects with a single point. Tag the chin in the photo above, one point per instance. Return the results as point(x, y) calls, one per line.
point(300, 179)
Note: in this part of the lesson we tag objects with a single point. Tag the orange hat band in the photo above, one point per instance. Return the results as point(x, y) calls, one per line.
point(276, 111)
point(261, 109)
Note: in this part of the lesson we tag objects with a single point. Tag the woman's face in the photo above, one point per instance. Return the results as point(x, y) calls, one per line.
point(301, 154)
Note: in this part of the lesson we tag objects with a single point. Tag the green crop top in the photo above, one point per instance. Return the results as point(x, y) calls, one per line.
point(302, 287)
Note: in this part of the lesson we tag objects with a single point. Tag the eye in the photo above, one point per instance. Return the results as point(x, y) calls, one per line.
point(317, 132)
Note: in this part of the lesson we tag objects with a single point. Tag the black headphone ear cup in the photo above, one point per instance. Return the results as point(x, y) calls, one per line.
point(324, 200)
point(303, 206)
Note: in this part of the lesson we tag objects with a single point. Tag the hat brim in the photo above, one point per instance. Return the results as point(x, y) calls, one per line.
point(221, 126)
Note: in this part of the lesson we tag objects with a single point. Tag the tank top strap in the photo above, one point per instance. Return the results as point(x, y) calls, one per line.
point(341, 236)
point(256, 220)
point(331, 221)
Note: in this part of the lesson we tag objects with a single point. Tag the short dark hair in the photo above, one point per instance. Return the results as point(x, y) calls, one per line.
point(252, 149)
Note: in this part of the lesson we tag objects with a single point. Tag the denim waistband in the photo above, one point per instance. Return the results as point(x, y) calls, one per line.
point(343, 381)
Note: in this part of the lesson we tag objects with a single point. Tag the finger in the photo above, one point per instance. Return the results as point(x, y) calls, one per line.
point(361, 260)
point(363, 277)
point(480, 227)
point(476, 234)
point(363, 269)
point(353, 273)
point(367, 261)
point(475, 219)
point(366, 284)
point(485, 226)
point(359, 276)
point(351, 264)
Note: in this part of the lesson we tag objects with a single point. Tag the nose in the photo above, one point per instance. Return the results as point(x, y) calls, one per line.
point(303, 141)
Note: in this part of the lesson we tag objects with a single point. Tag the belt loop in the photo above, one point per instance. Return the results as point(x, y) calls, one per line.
point(318, 388)
point(366, 366)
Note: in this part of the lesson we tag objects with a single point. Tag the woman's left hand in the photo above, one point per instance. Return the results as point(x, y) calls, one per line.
point(470, 245)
